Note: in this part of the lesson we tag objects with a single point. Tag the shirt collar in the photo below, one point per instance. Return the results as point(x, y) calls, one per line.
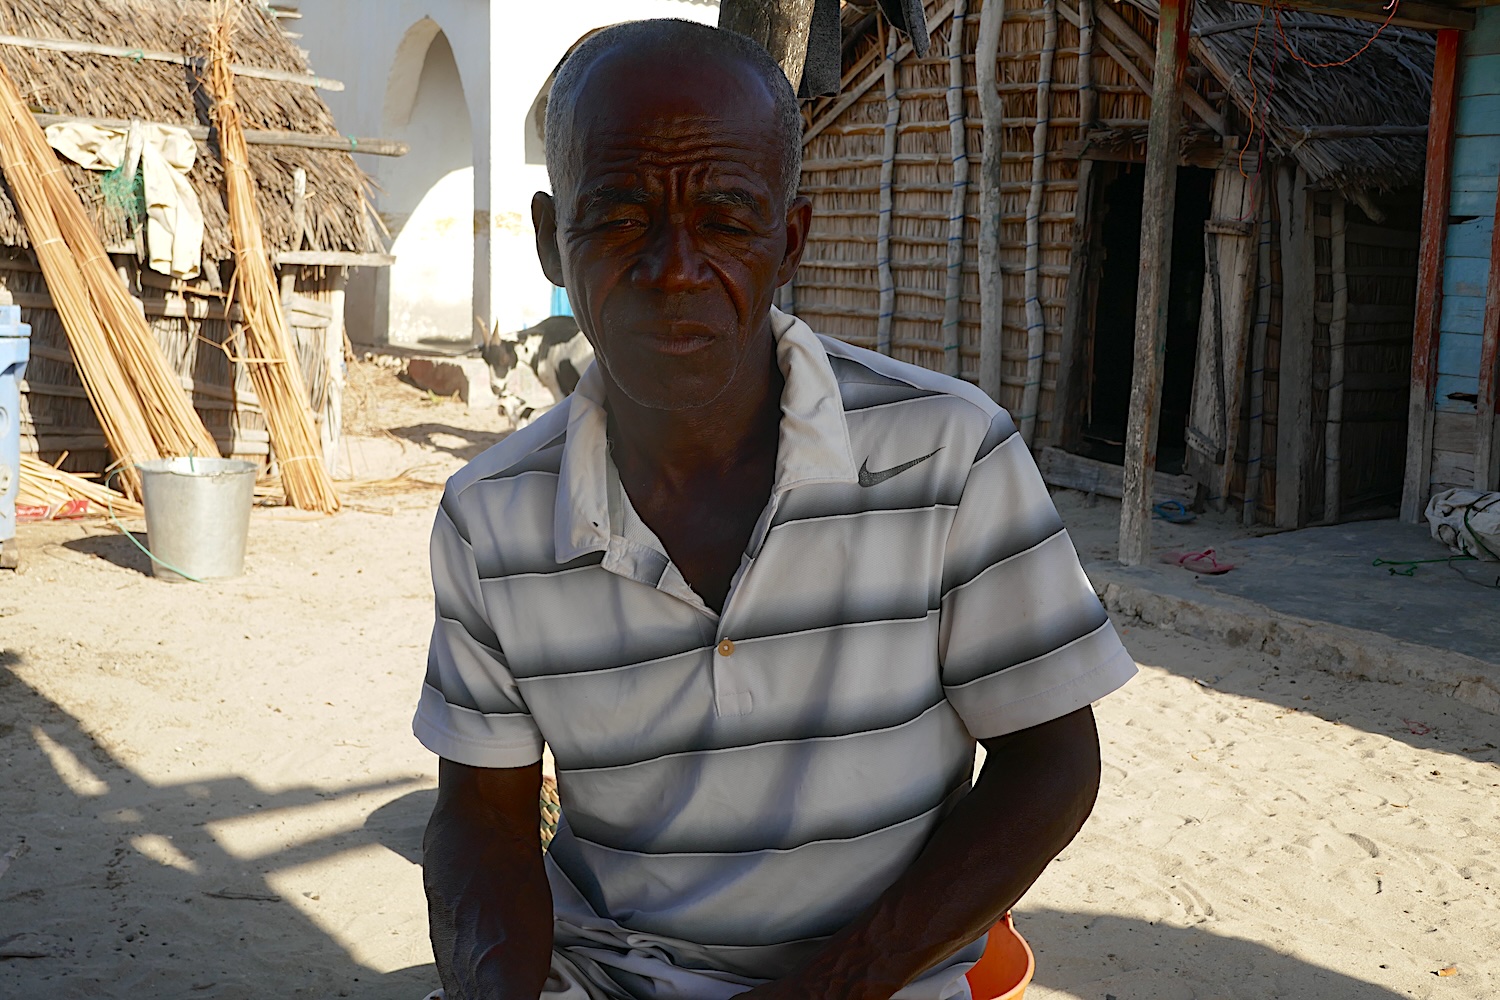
point(813, 446)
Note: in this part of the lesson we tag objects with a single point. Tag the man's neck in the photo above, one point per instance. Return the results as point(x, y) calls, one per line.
point(676, 448)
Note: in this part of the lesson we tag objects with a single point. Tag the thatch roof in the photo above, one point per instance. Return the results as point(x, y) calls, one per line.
point(1354, 127)
point(110, 87)
point(1313, 113)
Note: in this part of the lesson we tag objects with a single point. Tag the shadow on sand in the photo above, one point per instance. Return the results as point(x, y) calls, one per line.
point(86, 823)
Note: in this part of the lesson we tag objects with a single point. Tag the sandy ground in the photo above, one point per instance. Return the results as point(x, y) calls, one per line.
point(213, 792)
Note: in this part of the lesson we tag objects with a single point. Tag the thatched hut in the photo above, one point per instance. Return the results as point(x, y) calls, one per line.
point(1294, 259)
point(112, 62)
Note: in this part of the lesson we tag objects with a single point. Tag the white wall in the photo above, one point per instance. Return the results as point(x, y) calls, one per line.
point(502, 52)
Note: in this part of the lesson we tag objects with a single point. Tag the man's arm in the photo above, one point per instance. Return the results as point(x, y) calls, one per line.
point(488, 902)
point(1032, 797)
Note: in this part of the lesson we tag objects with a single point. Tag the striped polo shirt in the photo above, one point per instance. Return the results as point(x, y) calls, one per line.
point(737, 787)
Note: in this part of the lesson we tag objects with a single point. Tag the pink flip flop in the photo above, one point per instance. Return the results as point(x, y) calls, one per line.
point(1198, 562)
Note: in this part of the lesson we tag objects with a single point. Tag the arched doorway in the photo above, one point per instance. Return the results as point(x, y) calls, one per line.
point(428, 195)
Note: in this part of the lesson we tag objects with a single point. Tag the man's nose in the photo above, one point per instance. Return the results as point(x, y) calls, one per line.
point(672, 260)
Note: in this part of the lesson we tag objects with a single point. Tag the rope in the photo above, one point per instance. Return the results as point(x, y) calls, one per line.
point(131, 535)
point(1393, 7)
point(1412, 564)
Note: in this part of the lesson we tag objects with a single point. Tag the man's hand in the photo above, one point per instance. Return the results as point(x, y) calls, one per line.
point(488, 902)
point(1037, 788)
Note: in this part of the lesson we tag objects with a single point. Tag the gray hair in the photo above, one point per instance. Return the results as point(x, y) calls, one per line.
point(674, 35)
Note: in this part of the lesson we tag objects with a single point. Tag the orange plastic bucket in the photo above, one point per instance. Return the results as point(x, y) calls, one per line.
point(1005, 969)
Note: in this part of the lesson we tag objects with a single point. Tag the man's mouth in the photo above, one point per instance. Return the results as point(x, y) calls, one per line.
point(678, 340)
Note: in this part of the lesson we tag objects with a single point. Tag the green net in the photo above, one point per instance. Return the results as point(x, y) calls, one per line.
point(128, 197)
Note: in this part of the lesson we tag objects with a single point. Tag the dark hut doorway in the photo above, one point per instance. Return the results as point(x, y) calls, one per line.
point(1111, 358)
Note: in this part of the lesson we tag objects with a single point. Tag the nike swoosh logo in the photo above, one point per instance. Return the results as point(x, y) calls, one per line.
point(868, 478)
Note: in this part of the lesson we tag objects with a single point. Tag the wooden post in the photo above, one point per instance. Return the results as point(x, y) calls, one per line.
point(1229, 244)
point(1294, 371)
point(1435, 201)
point(1338, 323)
point(958, 146)
point(992, 110)
point(1258, 346)
point(1157, 211)
point(887, 202)
point(1036, 323)
point(1088, 97)
point(1486, 434)
point(781, 26)
point(1067, 409)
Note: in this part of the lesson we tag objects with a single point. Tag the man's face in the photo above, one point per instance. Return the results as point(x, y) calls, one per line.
point(670, 226)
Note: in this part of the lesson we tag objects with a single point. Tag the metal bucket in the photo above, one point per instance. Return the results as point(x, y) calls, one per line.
point(197, 516)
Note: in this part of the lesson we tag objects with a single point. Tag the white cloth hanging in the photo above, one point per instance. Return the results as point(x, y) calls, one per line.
point(174, 219)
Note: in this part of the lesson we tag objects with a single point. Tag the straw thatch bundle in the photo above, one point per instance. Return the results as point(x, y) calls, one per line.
point(129, 382)
point(268, 343)
point(43, 485)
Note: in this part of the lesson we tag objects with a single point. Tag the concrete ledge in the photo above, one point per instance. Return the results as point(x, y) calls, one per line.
point(468, 378)
point(1157, 599)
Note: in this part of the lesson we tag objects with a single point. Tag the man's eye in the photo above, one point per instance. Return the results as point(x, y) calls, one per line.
point(730, 228)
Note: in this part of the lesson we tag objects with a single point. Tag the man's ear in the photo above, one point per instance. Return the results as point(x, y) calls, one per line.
point(798, 223)
point(544, 219)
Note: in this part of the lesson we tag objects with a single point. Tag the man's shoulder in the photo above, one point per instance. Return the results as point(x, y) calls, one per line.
point(535, 448)
point(871, 381)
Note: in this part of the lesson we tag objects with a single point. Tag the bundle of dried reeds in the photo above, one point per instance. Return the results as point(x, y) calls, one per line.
point(137, 397)
point(269, 351)
point(44, 486)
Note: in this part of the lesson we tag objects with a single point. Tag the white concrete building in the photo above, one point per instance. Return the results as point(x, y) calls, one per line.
point(457, 80)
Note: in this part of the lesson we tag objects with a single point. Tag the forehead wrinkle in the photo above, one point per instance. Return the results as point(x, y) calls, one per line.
point(636, 148)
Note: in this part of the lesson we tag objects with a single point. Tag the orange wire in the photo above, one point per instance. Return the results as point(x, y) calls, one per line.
point(1254, 93)
point(1393, 7)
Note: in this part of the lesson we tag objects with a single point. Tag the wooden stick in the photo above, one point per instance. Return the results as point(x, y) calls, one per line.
point(992, 108)
point(958, 145)
point(1333, 431)
point(1436, 194)
point(1036, 323)
point(883, 225)
point(1088, 95)
point(1357, 131)
point(139, 55)
point(1294, 371)
point(871, 128)
point(1258, 346)
point(1411, 13)
point(255, 137)
point(1072, 372)
point(1157, 211)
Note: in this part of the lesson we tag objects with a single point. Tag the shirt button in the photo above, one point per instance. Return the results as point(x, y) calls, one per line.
point(726, 648)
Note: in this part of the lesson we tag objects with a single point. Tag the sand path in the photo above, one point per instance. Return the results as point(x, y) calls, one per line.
point(1264, 833)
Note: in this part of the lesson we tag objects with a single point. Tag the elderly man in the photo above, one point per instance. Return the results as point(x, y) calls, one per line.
point(759, 591)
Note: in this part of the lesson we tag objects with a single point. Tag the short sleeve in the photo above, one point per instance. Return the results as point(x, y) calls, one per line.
point(471, 709)
point(1022, 637)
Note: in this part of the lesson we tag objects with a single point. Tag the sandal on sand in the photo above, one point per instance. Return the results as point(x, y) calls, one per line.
point(1198, 562)
point(1174, 512)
